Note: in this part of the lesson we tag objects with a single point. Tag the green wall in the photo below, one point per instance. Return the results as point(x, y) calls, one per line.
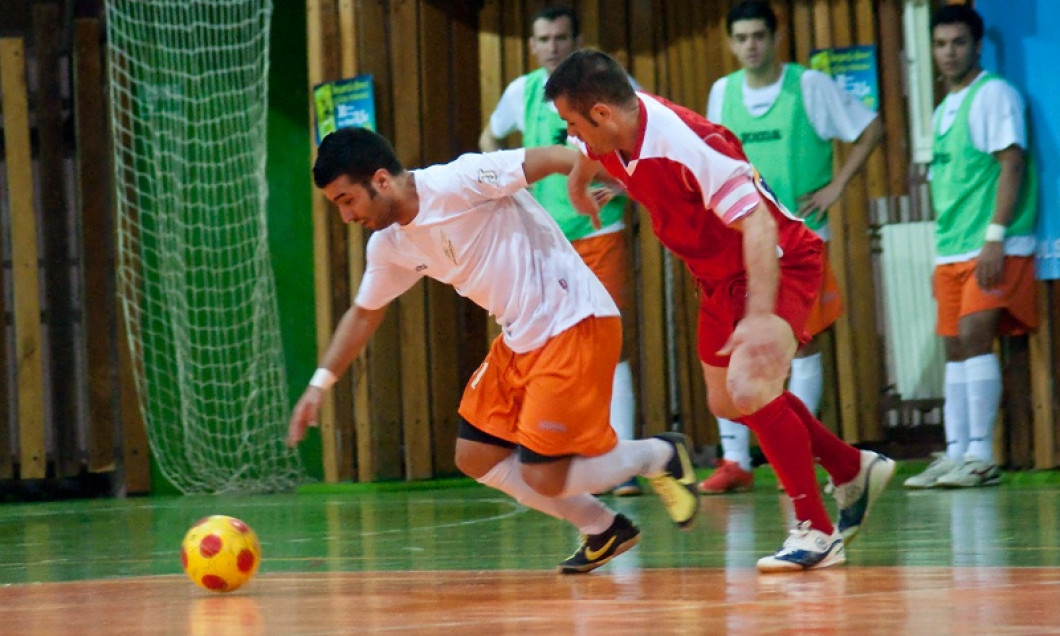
point(290, 218)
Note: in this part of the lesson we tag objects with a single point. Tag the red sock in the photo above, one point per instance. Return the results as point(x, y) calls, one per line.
point(841, 460)
point(786, 444)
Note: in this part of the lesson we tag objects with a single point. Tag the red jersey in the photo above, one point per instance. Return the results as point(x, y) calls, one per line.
point(695, 181)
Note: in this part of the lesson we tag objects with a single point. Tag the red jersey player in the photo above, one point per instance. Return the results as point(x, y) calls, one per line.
point(758, 269)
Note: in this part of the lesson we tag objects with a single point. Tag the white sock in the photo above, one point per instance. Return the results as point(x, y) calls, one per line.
point(807, 381)
point(983, 375)
point(622, 404)
point(629, 458)
point(955, 411)
point(735, 442)
point(584, 511)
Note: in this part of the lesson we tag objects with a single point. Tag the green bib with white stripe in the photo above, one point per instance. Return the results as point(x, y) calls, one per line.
point(964, 185)
point(544, 127)
point(781, 143)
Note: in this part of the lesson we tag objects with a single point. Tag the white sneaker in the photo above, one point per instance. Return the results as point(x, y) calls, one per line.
point(971, 473)
point(930, 477)
point(856, 497)
point(805, 549)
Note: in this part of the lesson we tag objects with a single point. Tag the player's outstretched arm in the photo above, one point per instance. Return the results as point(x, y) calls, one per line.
point(356, 327)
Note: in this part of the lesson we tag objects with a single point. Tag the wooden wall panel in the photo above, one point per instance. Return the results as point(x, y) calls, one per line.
point(97, 232)
point(432, 102)
point(29, 364)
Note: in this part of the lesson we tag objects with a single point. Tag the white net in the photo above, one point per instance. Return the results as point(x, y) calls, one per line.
point(188, 90)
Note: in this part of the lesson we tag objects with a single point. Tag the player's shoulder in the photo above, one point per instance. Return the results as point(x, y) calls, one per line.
point(996, 87)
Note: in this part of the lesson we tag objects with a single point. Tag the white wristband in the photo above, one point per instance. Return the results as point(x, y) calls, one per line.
point(995, 232)
point(322, 379)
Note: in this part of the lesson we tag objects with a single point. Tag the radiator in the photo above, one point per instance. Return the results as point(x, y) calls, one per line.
point(915, 357)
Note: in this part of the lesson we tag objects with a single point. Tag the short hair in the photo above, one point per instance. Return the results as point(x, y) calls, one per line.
point(959, 14)
point(554, 13)
point(587, 77)
point(752, 10)
point(355, 152)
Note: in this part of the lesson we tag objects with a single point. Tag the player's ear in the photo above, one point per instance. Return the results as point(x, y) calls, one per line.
point(599, 113)
point(381, 179)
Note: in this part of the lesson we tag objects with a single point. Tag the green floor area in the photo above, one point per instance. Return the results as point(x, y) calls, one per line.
point(460, 525)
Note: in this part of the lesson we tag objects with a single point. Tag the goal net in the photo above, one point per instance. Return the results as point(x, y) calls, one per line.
point(188, 91)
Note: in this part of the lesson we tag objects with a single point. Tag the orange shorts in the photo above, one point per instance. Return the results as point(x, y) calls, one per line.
point(829, 305)
point(958, 294)
point(608, 256)
point(555, 400)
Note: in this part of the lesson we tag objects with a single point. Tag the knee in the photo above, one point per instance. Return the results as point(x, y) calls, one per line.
point(722, 406)
point(749, 397)
point(470, 463)
point(543, 480)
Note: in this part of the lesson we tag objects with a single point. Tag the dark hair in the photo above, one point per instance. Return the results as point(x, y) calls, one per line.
point(959, 14)
point(552, 14)
point(356, 153)
point(752, 10)
point(588, 77)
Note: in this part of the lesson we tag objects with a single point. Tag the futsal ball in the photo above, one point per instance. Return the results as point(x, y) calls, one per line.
point(220, 553)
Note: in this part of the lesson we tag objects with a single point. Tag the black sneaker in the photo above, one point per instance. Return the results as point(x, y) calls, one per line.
point(677, 486)
point(598, 549)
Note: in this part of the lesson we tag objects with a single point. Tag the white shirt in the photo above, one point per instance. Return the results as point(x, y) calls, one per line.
point(833, 112)
point(480, 231)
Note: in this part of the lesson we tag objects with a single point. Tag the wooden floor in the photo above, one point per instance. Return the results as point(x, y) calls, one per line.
point(465, 560)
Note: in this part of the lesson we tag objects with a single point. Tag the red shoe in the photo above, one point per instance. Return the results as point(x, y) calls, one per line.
point(727, 477)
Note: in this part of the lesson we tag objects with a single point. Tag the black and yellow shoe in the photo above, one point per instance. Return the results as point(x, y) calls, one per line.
point(598, 549)
point(677, 486)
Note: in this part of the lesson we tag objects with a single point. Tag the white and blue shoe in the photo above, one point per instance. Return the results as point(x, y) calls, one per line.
point(805, 549)
point(855, 498)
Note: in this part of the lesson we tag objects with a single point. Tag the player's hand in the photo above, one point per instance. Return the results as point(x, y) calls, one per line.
point(585, 202)
point(815, 205)
point(304, 415)
point(990, 266)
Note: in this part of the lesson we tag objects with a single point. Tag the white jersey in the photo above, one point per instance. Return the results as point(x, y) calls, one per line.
point(833, 112)
point(480, 231)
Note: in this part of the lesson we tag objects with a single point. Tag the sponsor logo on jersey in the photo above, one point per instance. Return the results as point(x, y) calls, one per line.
point(759, 136)
point(487, 176)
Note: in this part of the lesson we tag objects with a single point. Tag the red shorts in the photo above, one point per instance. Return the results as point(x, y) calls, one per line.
point(725, 304)
point(555, 400)
point(958, 294)
point(608, 257)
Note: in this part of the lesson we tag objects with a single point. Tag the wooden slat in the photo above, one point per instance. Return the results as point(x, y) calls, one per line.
point(490, 60)
point(892, 102)
point(97, 240)
point(322, 274)
point(648, 253)
point(802, 27)
point(136, 458)
point(24, 262)
point(408, 138)
point(1042, 381)
point(443, 307)
point(136, 454)
point(353, 432)
point(379, 439)
point(55, 229)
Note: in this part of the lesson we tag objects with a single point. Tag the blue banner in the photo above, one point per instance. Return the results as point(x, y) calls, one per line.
point(1019, 44)
point(345, 103)
point(853, 68)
